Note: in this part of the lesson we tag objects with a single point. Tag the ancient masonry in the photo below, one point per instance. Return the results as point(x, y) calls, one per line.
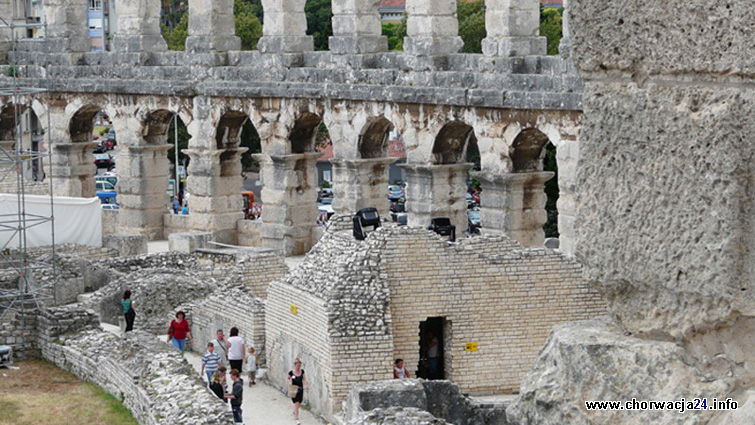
point(511, 102)
point(352, 307)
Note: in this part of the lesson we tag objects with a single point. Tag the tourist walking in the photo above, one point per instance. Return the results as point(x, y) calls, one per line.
point(179, 331)
point(236, 349)
point(236, 395)
point(297, 383)
point(221, 347)
point(218, 383)
point(210, 362)
point(399, 371)
point(251, 366)
point(128, 310)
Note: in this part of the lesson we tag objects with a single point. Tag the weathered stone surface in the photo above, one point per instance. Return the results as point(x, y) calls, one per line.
point(596, 360)
point(126, 244)
point(397, 416)
point(188, 242)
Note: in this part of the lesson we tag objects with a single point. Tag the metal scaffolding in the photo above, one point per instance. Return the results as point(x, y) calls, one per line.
point(16, 261)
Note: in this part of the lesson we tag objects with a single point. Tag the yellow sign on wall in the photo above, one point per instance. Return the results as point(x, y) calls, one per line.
point(471, 346)
point(294, 309)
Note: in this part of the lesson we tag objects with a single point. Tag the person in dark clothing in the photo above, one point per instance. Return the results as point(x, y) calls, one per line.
point(128, 310)
point(296, 378)
point(237, 395)
point(218, 385)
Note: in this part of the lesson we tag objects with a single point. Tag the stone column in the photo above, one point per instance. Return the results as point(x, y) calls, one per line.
point(437, 191)
point(289, 193)
point(212, 26)
point(514, 204)
point(138, 26)
point(564, 46)
point(215, 186)
point(360, 183)
point(143, 173)
point(66, 29)
point(357, 27)
point(285, 28)
point(432, 28)
point(513, 28)
point(73, 169)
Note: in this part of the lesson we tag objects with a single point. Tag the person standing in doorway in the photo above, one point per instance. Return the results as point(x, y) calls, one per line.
point(128, 310)
point(297, 379)
point(179, 331)
point(237, 395)
point(433, 355)
point(221, 347)
point(210, 362)
point(399, 371)
point(236, 349)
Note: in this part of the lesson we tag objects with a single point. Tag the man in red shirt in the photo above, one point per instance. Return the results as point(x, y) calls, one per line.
point(179, 331)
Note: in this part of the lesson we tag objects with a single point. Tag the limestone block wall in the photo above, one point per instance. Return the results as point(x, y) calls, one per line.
point(18, 330)
point(505, 299)
point(149, 377)
point(225, 309)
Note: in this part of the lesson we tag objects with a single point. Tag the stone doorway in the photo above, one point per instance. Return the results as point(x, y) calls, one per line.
point(433, 333)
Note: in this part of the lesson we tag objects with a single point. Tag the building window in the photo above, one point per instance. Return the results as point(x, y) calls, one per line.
point(95, 4)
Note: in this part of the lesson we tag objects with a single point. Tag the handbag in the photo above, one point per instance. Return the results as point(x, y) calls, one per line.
point(293, 390)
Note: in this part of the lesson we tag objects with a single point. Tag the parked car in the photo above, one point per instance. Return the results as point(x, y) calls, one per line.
point(110, 206)
point(108, 177)
point(107, 198)
point(474, 221)
point(104, 186)
point(324, 193)
point(111, 137)
point(101, 147)
point(104, 160)
point(396, 192)
point(326, 206)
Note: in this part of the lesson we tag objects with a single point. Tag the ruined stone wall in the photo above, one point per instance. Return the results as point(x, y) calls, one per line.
point(253, 268)
point(18, 329)
point(147, 376)
point(225, 309)
point(504, 299)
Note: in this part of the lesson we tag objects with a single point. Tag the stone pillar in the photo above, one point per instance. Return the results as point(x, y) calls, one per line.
point(66, 29)
point(357, 27)
point(73, 169)
point(285, 27)
point(514, 204)
point(437, 191)
point(212, 26)
point(564, 46)
point(143, 173)
point(432, 28)
point(513, 28)
point(138, 26)
point(215, 186)
point(360, 183)
point(567, 156)
point(289, 193)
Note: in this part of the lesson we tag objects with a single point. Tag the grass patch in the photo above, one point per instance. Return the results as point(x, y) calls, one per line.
point(41, 394)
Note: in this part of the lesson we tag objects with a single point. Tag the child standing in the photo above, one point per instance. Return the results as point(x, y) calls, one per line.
point(210, 362)
point(251, 366)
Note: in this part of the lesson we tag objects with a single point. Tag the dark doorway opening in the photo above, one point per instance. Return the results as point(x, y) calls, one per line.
point(431, 348)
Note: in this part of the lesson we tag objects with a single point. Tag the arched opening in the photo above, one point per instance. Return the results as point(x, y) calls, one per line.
point(471, 16)
point(319, 22)
point(452, 142)
point(90, 124)
point(19, 124)
point(305, 133)
point(533, 155)
point(177, 136)
point(373, 142)
point(235, 133)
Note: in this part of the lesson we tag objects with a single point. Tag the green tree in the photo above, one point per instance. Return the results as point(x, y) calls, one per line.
point(472, 25)
point(319, 25)
point(250, 139)
point(183, 142)
point(551, 27)
point(176, 36)
point(248, 25)
point(395, 32)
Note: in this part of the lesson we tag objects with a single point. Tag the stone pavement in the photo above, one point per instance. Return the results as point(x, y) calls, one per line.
point(262, 405)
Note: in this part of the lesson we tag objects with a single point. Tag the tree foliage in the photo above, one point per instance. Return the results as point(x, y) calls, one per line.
point(183, 142)
point(395, 32)
point(319, 26)
point(472, 25)
point(248, 27)
point(250, 139)
point(551, 27)
point(176, 36)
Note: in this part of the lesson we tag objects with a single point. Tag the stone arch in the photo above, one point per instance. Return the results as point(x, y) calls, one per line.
point(82, 123)
point(304, 132)
point(527, 151)
point(155, 126)
point(373, 141)
point(8, 123)
point(451, 143)
point(228, 132)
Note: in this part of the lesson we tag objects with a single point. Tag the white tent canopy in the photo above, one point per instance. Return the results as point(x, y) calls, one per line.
point(77, 221)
